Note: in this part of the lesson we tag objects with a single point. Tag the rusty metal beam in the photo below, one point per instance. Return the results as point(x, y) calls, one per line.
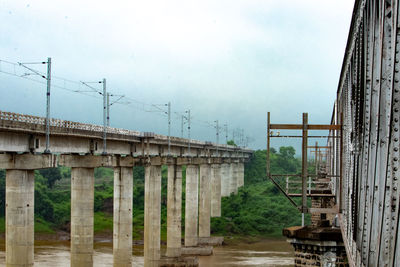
point(299, 136)
point(304, 163)
point(300, 127)
point(284, 193)
point(323, 210)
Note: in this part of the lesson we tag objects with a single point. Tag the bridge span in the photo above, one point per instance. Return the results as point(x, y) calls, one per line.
point(212, 171)
point(367, 158)
point(359, 172)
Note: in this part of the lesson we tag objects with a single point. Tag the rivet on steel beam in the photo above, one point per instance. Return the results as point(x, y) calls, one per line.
point(395, 129)
point(396, 100)
point(396, 139)
point(396, 110)
point(395, 169)
point(395, 159)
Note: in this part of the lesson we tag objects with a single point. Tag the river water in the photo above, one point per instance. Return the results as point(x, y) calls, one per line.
point(262, 253)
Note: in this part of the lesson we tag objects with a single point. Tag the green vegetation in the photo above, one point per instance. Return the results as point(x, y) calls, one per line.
point(259, 209)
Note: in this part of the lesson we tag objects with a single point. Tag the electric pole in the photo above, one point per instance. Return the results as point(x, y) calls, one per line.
point(226, 133)
point(48, 79)
point(182, 118)
point(217, 131)
point(104, 117)
point(242, 137)
point(169, 128)
point(47, 150)
point(108, 109)
point(188, 131)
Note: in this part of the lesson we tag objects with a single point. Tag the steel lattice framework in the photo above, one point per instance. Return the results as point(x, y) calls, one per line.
point(366, 157)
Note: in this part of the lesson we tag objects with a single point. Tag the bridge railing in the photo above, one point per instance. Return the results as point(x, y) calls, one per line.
point(293, 186)
point(11, 116)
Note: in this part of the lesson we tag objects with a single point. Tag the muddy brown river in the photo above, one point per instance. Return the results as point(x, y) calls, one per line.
point(262, 253)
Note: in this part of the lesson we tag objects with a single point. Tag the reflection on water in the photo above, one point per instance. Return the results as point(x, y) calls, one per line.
point(264, 253)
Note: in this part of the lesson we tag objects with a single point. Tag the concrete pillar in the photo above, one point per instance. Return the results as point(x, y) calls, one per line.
point(233, 178)
point(205, 201)
point(191, 205)
point(174, 206)
point(152, 215)
point(216, 190)
point(240, 180)
point(82, 205)
point(20, 188)
point(225, 179)
point(122, 230)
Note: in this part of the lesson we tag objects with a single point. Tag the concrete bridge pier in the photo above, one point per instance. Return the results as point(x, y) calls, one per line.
point(216, 190)
point(233, 185)
point(20, 188)
point(225, 179)
point(240, 179)
point(192, 212)
point(82, 208)
point(122, 225)
point(191, 205)
point(174, 214)
point(211, 188)
point(152, 215)
point(174, 211)
point(205, 201)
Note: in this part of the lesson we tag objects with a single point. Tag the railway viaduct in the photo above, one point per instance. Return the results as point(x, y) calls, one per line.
point(212, 171)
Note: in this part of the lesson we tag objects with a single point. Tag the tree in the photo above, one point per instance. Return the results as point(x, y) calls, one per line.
point(231, 143)
point(52, 175)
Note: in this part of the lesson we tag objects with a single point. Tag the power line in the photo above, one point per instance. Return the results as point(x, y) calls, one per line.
point(15, 69)
point(48, 84)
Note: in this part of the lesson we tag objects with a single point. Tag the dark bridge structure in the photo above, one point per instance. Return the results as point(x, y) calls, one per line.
point(368, 107)
point(361, 162)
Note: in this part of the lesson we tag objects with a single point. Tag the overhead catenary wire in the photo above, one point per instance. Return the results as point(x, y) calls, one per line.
point(15, 69)
point(47, 77)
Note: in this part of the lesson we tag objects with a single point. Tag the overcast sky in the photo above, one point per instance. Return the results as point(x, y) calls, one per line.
point(231, 61)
